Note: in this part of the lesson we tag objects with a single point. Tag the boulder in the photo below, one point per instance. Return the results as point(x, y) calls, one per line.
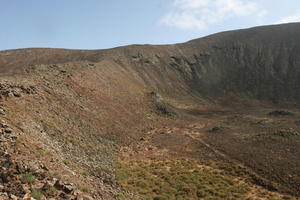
point(27, 196)
point(66, 187)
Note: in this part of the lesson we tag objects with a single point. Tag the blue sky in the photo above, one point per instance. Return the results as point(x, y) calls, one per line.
point(99, 24)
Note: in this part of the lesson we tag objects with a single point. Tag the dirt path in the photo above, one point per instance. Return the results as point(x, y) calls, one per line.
point(219, 153)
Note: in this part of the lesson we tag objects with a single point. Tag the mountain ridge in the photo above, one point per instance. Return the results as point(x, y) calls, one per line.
point(223, 44)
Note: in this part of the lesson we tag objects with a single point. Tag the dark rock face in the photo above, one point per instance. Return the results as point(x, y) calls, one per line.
point(261, 63)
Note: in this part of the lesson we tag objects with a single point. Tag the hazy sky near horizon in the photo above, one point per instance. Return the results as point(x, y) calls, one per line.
point(99, 24)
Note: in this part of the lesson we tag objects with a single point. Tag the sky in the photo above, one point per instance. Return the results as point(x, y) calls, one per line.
point(101, 24)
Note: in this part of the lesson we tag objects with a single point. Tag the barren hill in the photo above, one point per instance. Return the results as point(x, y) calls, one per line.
point(214, 105)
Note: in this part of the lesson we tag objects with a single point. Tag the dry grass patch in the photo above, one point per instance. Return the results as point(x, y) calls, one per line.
point(182, 179)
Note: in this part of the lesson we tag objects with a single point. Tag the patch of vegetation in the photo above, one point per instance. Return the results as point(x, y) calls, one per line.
point(42, 153)
point(162, 108)
point(36, 194)
point(28, 178)
point(85, 188)
point(66, 162)
point(123, 196)
point(165, 110)
point(53, 190)
point(179, 179)
point(84, 173)
point(217, 129)
point(51, 128)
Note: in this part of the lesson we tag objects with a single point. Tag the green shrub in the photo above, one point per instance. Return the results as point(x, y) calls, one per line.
point(66, 162)
point(84, 173)
point(36, 194)
point(85, 188)
point(28, 178)
point(53, 190)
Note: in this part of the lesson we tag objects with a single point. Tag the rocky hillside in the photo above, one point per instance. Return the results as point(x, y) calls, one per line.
point(67, 113)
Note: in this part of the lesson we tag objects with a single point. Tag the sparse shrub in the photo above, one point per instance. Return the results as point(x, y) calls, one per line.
point(85, 188)
point(28, 178)
point(84, 173)
point(36, 194)
point(123, 196)
point(215, 129)
point(280, 113)
point(53, 190)
point(66, 162)
point(71, 140)
point(90, 159)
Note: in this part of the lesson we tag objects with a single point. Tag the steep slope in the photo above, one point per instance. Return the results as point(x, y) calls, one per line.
point(77, 111)
point(261, 62)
